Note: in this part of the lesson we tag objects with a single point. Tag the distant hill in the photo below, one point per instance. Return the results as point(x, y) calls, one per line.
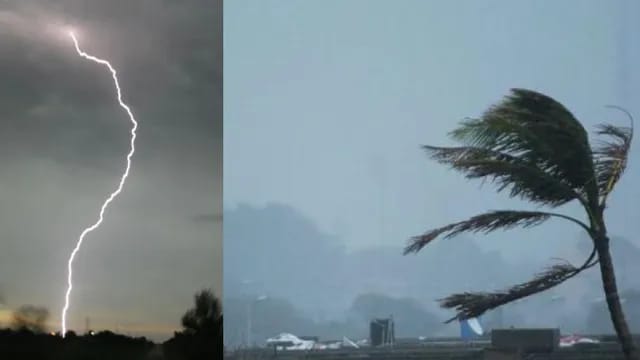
point(276, 251)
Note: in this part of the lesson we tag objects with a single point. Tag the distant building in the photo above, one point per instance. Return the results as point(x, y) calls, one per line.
point(382, 332)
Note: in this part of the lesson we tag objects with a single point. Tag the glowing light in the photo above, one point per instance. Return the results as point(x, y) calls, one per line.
point(115, 193)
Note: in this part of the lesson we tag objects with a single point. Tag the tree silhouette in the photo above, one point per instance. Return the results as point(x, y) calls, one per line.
point(205, 317)
point(531, 145)
point(202, 335)
point(29, 317)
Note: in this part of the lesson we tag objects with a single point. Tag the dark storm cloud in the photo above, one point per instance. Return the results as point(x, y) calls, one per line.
point(168, 51)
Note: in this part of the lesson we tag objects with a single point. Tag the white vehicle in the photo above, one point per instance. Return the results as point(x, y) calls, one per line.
point(573, 340)
point(286, 341)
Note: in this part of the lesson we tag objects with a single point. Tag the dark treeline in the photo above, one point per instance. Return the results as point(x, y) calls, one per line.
point(201, 338)
point(25, 344)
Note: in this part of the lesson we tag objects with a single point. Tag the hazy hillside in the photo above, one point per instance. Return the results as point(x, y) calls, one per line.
point(312, 282)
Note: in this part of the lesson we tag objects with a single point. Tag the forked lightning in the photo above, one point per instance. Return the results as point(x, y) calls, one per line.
point(114, 74)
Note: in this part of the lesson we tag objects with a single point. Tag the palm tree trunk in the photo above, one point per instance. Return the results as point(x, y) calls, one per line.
point(613, 303)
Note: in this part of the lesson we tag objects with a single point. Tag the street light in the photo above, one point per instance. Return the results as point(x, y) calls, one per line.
point(249, 308)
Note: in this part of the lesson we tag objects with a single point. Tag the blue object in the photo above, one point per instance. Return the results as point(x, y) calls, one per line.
point(470, 329)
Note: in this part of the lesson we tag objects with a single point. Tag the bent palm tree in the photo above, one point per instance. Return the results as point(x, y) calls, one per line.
point(532, 146)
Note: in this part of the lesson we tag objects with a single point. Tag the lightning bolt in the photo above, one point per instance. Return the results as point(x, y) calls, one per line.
point(113, 195)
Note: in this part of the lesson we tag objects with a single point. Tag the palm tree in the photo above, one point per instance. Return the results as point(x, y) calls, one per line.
point(532, 146)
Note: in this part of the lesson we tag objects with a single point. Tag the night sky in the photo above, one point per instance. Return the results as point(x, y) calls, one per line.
point(63, 142)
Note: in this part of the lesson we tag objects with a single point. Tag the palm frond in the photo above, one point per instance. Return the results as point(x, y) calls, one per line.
point(610, 156)
point(499, 219)
point(539, 131)
point(469, 305)
point(524, 179)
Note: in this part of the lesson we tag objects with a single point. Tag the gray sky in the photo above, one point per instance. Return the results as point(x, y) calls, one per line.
point(327, 102)
point(63, 142)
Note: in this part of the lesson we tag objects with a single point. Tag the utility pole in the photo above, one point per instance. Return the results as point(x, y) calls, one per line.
point(249, 323)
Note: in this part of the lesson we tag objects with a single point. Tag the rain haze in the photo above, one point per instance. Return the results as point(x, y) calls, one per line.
point(326, 106)
point(63, 145)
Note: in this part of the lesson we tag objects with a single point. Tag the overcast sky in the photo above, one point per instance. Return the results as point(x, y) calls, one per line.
point(63, 142)
point(327, 103)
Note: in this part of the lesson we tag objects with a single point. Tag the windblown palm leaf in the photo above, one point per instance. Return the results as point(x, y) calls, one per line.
point(610, 156)
point(470, 305)
point(500, 219)
point(540, 132)
point(525, 180)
